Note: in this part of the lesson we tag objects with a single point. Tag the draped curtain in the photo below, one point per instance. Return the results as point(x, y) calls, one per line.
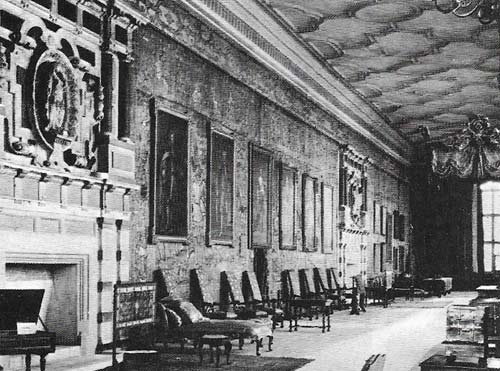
point(474, 153)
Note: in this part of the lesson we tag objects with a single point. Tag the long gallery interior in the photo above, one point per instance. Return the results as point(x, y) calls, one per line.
point(249, 185)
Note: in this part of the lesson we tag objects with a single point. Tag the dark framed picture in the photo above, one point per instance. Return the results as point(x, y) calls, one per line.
point(376, 218)
point(328, 219)
point(221, 184)
point(395, 224)
point(309, 210)
point(402, 229)
point(287, 209)
point(260, 197)
point(171, 173)
point(383, 220)
point(318, 218)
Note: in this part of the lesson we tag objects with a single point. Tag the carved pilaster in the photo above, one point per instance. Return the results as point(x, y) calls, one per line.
point(125, 100)
point(4, 70)
point(109, 68)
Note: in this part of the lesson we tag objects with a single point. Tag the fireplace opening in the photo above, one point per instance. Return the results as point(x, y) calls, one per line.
point(59, 309)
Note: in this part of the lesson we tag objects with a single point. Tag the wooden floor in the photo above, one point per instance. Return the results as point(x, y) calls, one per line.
point(406, 332)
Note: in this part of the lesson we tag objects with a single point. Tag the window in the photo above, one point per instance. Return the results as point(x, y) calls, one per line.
point(287, 191)
point(221, 188)
point(260, 198)
point(490, 197)
point(171, 203)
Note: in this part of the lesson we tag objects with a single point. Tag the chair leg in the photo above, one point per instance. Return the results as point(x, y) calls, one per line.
point(200, 353)
point(28, 362)
point(43, 362)
point(217, 356)
point(211, 354)
point(258, 345)
point(227, 350)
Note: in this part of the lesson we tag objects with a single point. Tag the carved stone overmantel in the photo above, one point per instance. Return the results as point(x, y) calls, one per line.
point(353, 190)
point(58, 93)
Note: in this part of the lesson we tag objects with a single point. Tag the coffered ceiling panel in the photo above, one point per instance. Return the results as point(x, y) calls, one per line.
point(417, 65)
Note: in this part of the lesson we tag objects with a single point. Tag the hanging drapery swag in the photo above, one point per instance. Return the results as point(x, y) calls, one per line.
point(472, 153)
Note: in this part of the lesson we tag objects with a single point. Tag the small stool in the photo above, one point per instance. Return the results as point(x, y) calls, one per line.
point(215, 341)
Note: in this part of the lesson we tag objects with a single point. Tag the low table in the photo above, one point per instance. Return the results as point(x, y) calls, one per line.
point(215, 341)
point(322, 305)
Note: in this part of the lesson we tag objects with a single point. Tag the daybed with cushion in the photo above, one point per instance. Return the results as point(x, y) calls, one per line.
point(179, 320)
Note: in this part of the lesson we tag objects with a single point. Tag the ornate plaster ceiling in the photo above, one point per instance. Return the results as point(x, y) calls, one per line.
point(417, 65)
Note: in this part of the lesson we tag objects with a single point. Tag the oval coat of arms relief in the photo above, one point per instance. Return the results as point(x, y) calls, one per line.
point(55, 97)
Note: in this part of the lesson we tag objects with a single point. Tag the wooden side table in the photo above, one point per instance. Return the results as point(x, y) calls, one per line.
point(215, 341)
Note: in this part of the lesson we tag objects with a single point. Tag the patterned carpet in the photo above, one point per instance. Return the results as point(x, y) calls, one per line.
point(190, 361)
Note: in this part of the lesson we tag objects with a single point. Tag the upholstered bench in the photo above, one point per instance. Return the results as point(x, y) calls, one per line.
point(194, 326)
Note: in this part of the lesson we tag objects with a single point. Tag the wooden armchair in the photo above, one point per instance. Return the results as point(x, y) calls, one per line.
point(204, 299)
point(232, 295)
point(253, 298)
point(322, 284)
point(376, 290)
point(297, 305)
point(344, 293)
point(311, 289)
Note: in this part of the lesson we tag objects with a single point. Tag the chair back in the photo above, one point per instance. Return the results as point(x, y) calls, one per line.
point(332, 277)
point(200, 291)
point(294, 282)
point(307, 287)
point(231, 287)
point(286, 291)
point(251, 289)
point(321, 280)
point(166, 282)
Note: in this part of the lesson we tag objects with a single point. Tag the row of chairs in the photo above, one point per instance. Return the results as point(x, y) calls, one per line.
point(303, 293)
point(240, 297)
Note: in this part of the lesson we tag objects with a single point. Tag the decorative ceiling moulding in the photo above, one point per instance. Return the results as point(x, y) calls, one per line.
point(303, 67)
point(486, 11)
point(473, 153)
